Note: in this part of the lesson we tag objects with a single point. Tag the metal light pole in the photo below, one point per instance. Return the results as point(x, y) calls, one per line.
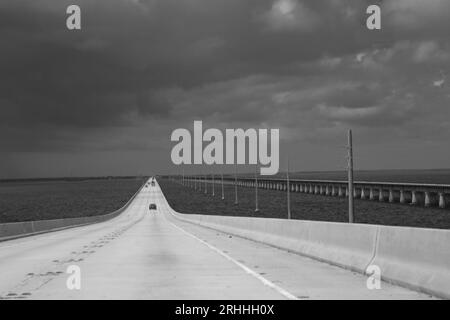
point(288, 188)
point(350, 178)
point(256, 190)
point(223, 194)
point(235, 186)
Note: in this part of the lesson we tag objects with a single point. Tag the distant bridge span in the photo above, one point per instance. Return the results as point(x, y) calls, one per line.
point(407, 193)
point(142, 254)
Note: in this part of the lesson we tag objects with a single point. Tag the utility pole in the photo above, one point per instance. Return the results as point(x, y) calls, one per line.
point(235, 185)
point(223, 193)
point(256, 190)
point(206, 187)
point(350, 178)
point(288, 188)
point(213, 192)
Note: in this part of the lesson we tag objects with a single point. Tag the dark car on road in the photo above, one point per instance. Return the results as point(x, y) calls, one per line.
point(152, 206)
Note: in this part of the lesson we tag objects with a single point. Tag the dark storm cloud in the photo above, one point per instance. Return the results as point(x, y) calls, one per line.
point(309, 67)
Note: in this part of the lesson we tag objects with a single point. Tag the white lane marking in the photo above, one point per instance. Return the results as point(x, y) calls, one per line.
point(266, 282)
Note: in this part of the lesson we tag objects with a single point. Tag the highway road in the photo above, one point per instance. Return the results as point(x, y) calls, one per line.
point(145, 254)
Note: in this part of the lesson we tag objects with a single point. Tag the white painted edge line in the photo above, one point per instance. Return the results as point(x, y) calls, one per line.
point(266, 282)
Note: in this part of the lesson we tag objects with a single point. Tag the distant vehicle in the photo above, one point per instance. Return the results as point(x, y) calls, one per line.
point(153, 183)
point(152, 206)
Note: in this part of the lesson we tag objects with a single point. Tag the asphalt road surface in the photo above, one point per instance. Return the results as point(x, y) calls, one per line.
point(149, 254)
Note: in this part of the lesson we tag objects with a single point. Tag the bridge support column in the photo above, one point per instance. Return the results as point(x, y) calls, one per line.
point(381, 195)
point(441, 200)
point(402, 196)
point(427, 199)
point(333, 191)
point(363, 193)
point(311, 189)
point(346, 192)
point(371, 194)
point(316, 189)
point(321, 189)
point(391, 195)
point(413, 197)
point(340, 192)
point(327, 190)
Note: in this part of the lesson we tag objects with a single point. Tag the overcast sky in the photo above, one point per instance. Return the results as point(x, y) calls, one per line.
point(104, 100)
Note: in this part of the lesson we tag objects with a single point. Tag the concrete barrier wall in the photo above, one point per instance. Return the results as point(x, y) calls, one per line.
point(15, 230)
point(415, 257)
point(411, 257)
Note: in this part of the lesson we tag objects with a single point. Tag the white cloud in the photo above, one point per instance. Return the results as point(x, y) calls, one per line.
point(439, 83)
point(342, 113)
point(290, 15)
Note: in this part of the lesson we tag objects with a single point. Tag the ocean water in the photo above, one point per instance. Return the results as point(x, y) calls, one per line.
point(42, 200)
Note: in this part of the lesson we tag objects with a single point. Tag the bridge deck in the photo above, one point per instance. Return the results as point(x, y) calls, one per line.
point(148, 255)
